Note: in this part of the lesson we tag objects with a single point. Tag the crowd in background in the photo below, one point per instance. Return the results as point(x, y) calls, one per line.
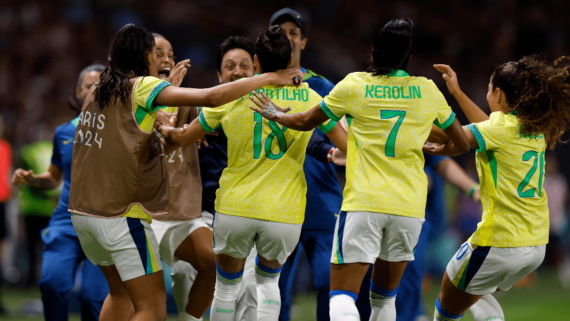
point(44, 45)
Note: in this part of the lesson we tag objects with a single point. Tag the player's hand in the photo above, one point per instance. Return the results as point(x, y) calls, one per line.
point(338, 157)
point(177, 74)
point(450, 78)
point(476, 196)
point(203, 139)
point(162, 119)
point(23, 177)
point(286, 76)
point(267, 108)
point(165, 130)
point(432, 148)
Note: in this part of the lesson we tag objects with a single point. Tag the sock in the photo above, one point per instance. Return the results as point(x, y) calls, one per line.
point(268, 295)
point(482, 310)
point(183, 276)
point(442, 315)
point(494, 303)
point(383, 303)
point(187, 317)
point(342, 306)
point(227, 289)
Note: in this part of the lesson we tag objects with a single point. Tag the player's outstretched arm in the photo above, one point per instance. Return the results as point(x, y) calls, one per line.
point(45, 181)
point(338, 136)
point(304, 121)
point(458, 142)
point(185, 136)
point(471, 110)
point(225, 93)
point(449, 170)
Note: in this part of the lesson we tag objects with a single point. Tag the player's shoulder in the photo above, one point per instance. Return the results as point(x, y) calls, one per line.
point(66, 128)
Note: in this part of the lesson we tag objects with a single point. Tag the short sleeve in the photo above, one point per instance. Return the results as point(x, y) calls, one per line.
point(146, 90)
point(491, 134)
point(444, 115)
point(211, 118)
point(335, 103)
point(314, 100)
point(56, 155)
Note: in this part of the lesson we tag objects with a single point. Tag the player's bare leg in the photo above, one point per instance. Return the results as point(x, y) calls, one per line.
point(197, 250)
point(146, 293)
point(345, 286)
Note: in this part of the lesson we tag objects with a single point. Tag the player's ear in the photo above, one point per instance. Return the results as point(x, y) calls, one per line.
point(77, 91)
point(219, 77)
point(256, 64)
point(304, 43)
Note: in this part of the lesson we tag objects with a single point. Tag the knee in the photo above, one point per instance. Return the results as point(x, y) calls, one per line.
point(207, 268)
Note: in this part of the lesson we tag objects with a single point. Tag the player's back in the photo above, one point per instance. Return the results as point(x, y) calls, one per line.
point(511, 166)
point(390, 119)
point(264, 178)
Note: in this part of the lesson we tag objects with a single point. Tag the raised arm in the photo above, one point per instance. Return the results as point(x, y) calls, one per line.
point(304, 121)
point(45, 181)
point(225, 93)
point(472, 111)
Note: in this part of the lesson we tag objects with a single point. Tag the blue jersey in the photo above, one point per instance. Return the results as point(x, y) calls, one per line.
point(435, 207)
point(61, 158)
point(324, 196)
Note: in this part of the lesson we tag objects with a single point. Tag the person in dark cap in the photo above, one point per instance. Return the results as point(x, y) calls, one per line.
point(324, 195)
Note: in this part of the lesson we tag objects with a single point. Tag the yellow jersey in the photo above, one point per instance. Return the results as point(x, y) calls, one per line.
point(264, 179)
point(145, 91)
point(390, 119)
point(511, 171)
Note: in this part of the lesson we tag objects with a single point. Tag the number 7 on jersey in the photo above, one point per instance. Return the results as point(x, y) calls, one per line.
point(390, 144)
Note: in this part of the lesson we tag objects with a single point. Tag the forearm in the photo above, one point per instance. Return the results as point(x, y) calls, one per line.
point(472, 111)
point(45, 181)
point(454, 174)
point(298, 121)
point(437, 136)
point(211, 97)
point(170, 146)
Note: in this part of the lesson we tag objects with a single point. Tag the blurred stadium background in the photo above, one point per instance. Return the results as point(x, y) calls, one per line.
point(45, 43)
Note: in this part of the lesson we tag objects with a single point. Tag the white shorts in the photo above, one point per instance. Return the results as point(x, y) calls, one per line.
point(480, 270)
point(170, 235)
point(208, 219)
point(128, 243)
point(235, 236)
point(362, 237)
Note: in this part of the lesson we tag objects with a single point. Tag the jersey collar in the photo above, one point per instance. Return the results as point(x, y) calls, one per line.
point(398, 73)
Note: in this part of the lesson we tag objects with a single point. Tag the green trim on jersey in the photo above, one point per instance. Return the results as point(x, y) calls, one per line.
point(329, 113)
point(398, 73)
point(153, 95)
point(447, 123)
point(325, 128)
point(75, 121)
point(204, 124)
point(492, 164)
point(478, 137)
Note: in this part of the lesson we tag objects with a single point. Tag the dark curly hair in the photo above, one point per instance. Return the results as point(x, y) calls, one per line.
point(273, 49)
point(538, 92)
point(392, 47)
point(126, 60)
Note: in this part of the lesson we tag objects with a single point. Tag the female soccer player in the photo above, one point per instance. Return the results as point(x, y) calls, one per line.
point(530, 109)
point(62, 252)
point(119, 176)
point(182, 234)
point(390, 115)
point(261, 199)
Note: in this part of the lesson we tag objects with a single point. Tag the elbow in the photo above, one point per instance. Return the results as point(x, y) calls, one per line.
point(464, 147)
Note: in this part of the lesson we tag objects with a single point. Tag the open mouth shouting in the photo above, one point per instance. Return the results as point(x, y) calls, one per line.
point(164, 73)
